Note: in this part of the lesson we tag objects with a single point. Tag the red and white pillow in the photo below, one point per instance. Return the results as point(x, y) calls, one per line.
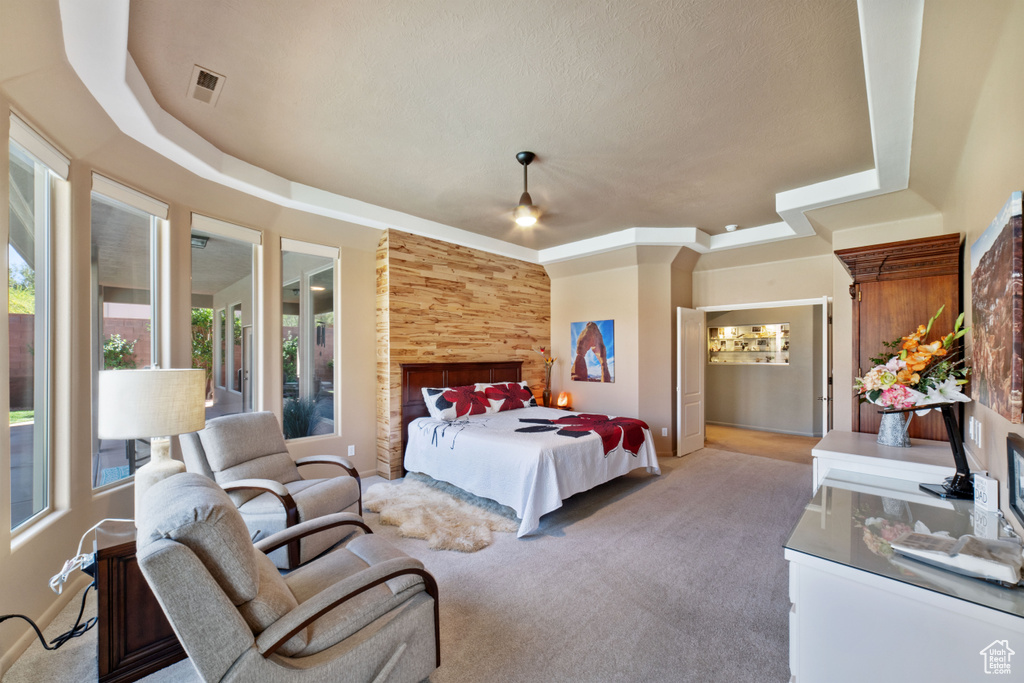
point(508, 396)
point(450, 403)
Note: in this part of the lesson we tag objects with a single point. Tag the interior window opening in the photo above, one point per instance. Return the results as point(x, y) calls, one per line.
point(223, 313)
point(307, 335)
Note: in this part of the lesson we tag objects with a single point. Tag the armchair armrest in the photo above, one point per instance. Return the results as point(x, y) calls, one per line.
point(275, 487)
point(281, 631)
point(291, 510)
point(312, 526)
point(340, 461)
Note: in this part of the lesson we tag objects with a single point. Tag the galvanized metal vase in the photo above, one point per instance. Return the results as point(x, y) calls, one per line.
point(893, 430)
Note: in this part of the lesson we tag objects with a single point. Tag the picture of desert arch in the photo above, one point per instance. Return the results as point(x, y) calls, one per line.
point(593, 345)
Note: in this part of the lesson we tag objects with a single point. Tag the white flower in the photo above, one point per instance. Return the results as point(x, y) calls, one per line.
point(895, 364)
point(946, 392)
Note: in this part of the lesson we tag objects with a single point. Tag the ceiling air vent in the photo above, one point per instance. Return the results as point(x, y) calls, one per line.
point(205, 85)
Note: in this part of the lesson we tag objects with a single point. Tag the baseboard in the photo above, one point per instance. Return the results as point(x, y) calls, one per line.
point(763, 429)
point(71, 589)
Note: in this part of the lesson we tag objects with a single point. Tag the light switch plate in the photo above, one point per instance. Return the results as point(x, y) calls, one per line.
point(352, 450)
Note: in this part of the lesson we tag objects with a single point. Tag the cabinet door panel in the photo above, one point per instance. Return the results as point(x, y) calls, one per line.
point(891, 309)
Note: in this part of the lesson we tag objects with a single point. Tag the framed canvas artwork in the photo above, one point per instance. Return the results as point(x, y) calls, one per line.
point(1015, 474)
point(997, 377)
point(593, 344)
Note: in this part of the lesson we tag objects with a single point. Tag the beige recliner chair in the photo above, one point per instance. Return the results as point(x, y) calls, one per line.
point(362, 612)
point(247, 456)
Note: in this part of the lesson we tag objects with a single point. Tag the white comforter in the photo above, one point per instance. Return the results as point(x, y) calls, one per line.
point(531, 472)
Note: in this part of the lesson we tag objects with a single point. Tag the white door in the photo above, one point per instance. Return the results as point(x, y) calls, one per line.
point(826, 359)
point(689, 380)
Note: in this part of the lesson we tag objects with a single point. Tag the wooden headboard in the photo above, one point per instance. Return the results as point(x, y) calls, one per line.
point(415, 376)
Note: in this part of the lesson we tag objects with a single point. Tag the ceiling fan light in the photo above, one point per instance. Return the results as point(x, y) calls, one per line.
point(526, 213)
point(525, 220)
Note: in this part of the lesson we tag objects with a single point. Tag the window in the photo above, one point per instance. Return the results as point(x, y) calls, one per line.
point(307, 326)
point(125, 332)
point(223, 257)
point(221, 336)
point(28, 315)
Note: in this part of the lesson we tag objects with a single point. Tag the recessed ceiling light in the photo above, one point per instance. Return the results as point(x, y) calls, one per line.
point(199, 241)
point(731, 227)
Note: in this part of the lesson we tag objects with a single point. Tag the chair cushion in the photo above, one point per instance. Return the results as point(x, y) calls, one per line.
point(192, 453)
point(247, 445)
point(194, 511)
point(344, 620)
point(313, 498)
point(273, 601)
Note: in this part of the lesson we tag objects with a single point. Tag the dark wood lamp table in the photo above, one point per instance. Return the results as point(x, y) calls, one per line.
point(135, 638)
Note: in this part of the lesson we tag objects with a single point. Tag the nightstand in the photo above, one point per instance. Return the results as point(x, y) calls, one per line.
point(135, 638)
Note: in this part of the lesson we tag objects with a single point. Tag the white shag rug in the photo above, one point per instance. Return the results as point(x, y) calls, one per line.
point(445, 516)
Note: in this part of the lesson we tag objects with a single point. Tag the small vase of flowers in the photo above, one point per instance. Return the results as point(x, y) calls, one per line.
point(549, 362)
point(912, 373)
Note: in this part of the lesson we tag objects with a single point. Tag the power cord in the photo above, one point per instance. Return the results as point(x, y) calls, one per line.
point(87, 564)
point(77, 630)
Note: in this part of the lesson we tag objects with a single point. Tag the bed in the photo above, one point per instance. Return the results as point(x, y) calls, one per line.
point(529, 458)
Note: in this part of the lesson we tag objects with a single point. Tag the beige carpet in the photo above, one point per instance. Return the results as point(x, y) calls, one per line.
point(673, 578)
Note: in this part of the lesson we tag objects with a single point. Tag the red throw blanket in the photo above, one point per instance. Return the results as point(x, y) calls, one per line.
point(612, 430)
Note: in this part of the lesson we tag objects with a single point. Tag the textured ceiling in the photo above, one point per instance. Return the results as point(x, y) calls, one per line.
point(659, 113)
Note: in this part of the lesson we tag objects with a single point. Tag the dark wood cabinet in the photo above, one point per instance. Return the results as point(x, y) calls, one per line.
point(897, 286)
point(135, 638)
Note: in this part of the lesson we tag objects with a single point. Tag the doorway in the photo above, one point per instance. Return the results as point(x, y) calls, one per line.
point(767, 366)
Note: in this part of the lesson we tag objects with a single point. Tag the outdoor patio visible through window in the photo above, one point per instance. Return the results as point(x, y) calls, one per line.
point(222, 317)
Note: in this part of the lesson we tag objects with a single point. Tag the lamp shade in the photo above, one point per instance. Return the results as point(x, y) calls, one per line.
point(137, 404)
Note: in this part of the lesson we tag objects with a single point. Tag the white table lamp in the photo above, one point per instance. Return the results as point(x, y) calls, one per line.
point(153, 404)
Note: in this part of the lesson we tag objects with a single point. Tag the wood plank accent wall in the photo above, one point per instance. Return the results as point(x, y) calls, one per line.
point(439, 302)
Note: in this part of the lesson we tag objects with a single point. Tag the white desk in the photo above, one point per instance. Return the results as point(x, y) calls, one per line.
point(859, 615)
point(925, 462)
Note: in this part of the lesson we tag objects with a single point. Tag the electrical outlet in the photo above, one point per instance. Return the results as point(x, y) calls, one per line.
point(664, 431)
point(351, 450)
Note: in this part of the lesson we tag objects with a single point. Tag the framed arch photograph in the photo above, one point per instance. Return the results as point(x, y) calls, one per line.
point(593, 344)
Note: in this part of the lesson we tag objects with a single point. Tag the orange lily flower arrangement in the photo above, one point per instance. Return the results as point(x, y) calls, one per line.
point(917, 373)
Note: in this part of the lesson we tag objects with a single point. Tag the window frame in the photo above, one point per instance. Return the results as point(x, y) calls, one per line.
point(215, 227)
point(305, 317)
point(50, 167)
point(157, 215)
